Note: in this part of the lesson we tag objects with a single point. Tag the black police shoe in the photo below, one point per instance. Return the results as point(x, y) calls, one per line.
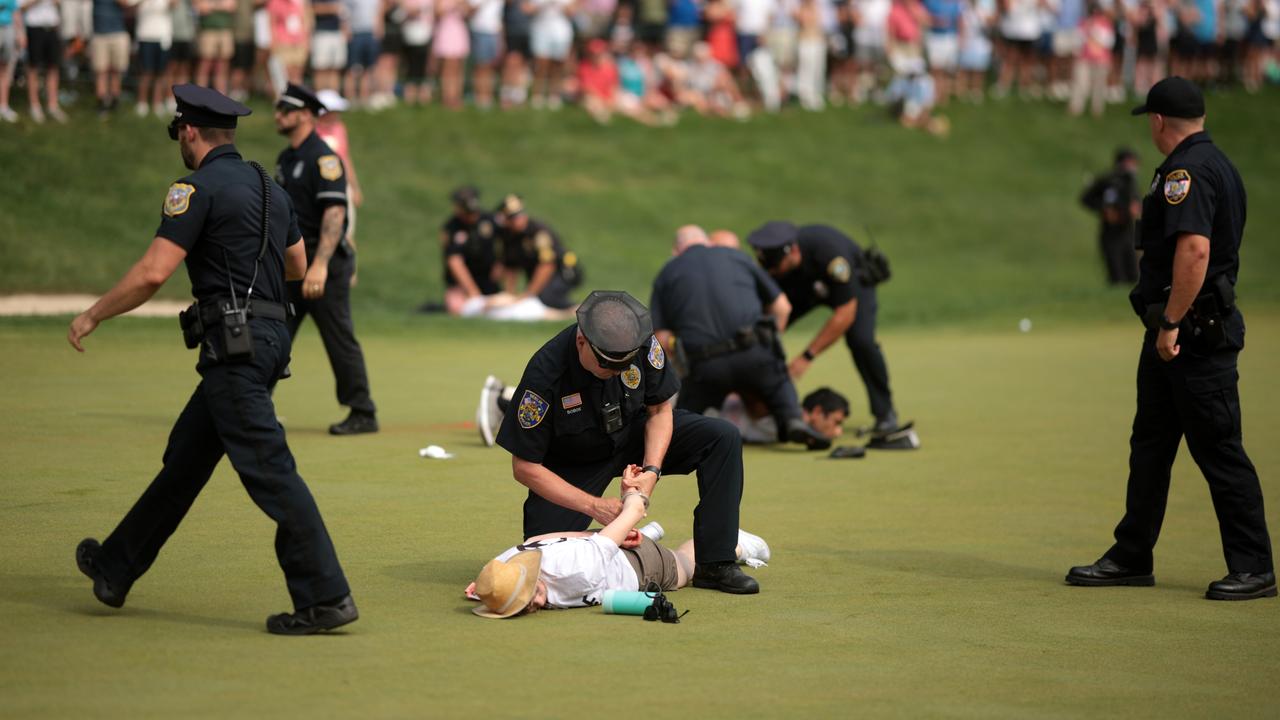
point(88, 559)
point(317, 618)
point(355, 424)
point(1243, 586)
point(1106, 572)
point(799, 432)
point(725, 577)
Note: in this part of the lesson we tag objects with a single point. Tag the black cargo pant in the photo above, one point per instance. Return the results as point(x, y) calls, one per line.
point(1195, 396)
point(756, 372)
point(332, 313)
point(230, 413)
point(708, 446)
point(1116, 242)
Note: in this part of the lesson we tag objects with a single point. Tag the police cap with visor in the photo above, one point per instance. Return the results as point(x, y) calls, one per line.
point(772, 241)
point(204, 107)
point(615, 326)
point(298, 97)
point(1173, 97)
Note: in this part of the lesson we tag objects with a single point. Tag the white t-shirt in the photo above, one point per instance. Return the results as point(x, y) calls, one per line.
point(155, 23)
point(753, 16)
point(1021, 21)
point(550, 17)
point(874, 16)
point(416, 30)
point(486, 16)
point(577, 571)
point(1271, 19)
point(42, 14)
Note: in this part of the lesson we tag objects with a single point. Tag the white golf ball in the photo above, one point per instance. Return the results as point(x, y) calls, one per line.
point(1024, 324)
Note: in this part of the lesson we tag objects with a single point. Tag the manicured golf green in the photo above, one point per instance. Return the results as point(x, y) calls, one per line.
point(912, 583)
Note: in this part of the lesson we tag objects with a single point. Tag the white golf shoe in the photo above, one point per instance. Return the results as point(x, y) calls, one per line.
point(754, 551)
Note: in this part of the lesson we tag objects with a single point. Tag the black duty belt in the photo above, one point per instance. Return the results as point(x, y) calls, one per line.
point(744, 339)
point(211, 311)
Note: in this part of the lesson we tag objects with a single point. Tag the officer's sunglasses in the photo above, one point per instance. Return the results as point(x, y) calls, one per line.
point(173, 129)
point(611, 362)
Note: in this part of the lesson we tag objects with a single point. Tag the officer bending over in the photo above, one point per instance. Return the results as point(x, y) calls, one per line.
point(595, 399)
point(237, 233)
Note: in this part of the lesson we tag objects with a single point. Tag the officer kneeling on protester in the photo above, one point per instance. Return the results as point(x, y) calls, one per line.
point(237, 232)
point(532, 247)
point(726, 313)
point(819, 265)
point(1192, 224)
point(595, 399)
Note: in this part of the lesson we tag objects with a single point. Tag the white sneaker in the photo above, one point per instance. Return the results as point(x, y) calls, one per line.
point(488, 416)
point(141, 110)
point(37, 114)
point(754, 551)
point(653, 531)
point(56, 113)
point(8, 115)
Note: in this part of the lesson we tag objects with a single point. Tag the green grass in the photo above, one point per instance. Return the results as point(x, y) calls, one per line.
point(924, 583)
point(983, 224)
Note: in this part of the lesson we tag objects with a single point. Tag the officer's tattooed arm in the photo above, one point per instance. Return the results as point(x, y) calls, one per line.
point(330, 235)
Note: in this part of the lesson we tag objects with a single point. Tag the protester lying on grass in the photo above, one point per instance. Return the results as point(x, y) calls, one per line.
point(573, 569)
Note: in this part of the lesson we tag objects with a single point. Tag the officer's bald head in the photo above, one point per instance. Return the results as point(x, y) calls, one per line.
point(688, 236)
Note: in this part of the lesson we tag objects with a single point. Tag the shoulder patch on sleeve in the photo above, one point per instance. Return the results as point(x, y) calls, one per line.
point(330, 167)
point(532, 410)
point(838, 269)
point(657, 358)
point(1177, 186)
point(178, 199)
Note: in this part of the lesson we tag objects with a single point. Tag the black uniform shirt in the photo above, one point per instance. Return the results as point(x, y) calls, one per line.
point(556, 413)
point(1196, 190)
point(528, 249)
point(475, 243)
point(215, 214)
point(826, 272)
point(707, 294)
point(1114, 190)
point(315, 178)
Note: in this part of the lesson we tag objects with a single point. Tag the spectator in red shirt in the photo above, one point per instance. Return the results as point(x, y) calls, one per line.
point(598, 80)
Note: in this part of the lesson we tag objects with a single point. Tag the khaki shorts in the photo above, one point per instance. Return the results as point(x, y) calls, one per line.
point(290, 55)
point(109, 52)
point(653, 563)
point(215, 44)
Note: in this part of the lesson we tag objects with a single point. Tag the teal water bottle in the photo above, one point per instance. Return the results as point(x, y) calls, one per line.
point(625, 602)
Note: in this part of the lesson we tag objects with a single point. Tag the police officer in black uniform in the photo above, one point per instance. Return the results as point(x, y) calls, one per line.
point(214, 219)
point(467, 239)
point(595, 399)
point(1192, 224)
point(530, 246)
point(726, 313)
point(316, 180)
point(1114, 196)
point(819, 265)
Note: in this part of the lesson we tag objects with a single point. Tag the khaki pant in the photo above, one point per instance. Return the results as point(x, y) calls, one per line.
point(109, 52)
point(215, 44)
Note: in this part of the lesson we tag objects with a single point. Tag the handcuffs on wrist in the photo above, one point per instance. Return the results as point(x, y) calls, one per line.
point(643, 497)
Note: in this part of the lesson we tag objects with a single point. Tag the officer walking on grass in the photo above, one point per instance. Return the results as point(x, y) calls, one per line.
point(237, 232)
point(597, 398)
point(1192, 224)
point(316, 180)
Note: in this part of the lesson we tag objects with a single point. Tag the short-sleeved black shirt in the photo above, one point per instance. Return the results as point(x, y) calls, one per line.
point(475, 243)
point(826, 275)
point(315, 178)
point(215, 214)
point(528, 249)
point(556, 413)
point(707, 294)
point(1196, 191)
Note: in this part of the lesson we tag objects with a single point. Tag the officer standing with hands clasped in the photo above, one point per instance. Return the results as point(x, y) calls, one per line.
point(237, 232)
point(819, 265)
point(1192, 224)
point(316, 180)
point(597, 398)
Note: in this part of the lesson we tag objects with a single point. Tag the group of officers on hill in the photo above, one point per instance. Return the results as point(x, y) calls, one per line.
point(594, 402)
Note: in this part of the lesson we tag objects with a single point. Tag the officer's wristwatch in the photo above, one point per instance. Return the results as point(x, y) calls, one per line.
point(1166, 323)
point(657, 471)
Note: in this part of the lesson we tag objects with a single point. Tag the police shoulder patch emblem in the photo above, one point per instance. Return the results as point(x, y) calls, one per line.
point(631, 377)
point(1177, 186)
point(178, 199)
point(330, 167)
point(657, 358)
point(532, 410)
point(838, 269)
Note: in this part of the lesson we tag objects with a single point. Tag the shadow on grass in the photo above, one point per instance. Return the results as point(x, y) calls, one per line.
point(436, 572)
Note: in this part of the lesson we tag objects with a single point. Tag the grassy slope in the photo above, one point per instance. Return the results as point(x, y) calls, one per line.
point(921, 583)
point(982, 225)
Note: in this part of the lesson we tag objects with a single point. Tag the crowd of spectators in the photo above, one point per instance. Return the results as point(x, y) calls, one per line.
point(644, 59)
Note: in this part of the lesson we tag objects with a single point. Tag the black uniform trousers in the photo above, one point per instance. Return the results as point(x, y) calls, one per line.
point(332, 313)
point(1196, 397)
point(1118, 254)
point(867, 355)
point(708, 446)
point(231, 413)
point(757, 371)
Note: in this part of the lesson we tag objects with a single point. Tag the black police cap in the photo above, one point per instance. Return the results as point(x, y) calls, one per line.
point(615, 325)
point(466, 197)
point(299, 97)
point(204, 107)
point(1173, 97)
point(773, 235)
point(511, 206)
point(1125, 153)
